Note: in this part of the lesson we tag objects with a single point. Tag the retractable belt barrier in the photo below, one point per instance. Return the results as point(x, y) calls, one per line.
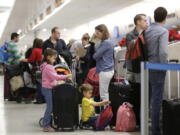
point(145, 67)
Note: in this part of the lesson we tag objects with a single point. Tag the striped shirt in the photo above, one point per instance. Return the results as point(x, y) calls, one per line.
point(13, 53)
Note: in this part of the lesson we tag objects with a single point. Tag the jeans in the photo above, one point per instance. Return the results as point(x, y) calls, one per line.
point(39, 96)
point(91, 121)
point(156, 79)
point(47, 93)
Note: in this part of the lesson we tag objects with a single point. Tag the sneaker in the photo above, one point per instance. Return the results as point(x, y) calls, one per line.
point(48, 129)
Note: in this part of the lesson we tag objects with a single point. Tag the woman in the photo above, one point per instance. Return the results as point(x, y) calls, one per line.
point(104, 60)
point(35, 59)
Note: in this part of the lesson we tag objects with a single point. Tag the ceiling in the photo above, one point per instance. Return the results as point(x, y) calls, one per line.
point(5, 10)
point(75, 13)
point(78, 12)
point(22, 13)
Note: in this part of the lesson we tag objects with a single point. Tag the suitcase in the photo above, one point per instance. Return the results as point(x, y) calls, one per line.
point(171, 111)
point(65, 108)
point(6, 86)
point(119, 92)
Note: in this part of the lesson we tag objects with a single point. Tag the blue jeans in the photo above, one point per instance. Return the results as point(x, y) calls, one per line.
point(156, 79)
point(39, 96)
point(47, 93)
point(91, 121)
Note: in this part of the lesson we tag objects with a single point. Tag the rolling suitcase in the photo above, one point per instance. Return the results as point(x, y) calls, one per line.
point(171, 110)
point(65, 108)
point(6, 86)
point(119, 92)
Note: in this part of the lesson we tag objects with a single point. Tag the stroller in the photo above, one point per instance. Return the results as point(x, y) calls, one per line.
point(19, 89)
point(65, 115)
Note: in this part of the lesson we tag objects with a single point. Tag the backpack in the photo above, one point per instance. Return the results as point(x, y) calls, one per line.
point(136, 53)
point(4, 53)
point(126, 119)
point(93, 79)
point(103, 119)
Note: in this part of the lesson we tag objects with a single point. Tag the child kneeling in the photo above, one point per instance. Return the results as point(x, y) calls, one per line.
point(88, 117)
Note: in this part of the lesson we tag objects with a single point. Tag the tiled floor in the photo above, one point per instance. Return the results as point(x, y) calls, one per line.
point(22, 119)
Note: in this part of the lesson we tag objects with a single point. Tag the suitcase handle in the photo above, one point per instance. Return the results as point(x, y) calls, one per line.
point(174, 61)
point(121, 60)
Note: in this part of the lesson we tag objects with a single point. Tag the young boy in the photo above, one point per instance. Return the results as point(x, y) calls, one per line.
point(88, 105)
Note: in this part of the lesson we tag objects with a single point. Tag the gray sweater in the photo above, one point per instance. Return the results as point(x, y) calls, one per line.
point(156, 37)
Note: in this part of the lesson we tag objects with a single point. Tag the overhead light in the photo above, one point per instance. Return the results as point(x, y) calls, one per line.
point(44, 29)
point(51, 14)
point(19, 31)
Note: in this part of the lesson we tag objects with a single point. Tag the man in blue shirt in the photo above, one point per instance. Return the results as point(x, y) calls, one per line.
point(156, 37)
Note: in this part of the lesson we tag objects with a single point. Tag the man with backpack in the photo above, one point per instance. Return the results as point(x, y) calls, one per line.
point(140, 22)
point(11, 59)
point(156, 37)
point(13, 54)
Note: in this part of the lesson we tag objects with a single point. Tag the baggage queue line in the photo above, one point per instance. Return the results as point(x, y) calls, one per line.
point(145, 67)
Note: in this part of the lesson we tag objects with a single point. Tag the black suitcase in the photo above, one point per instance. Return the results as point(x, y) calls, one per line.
point(6, 86)
point(65, 109)
point(119, 92)
point(171, 117)
point(171, 112)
